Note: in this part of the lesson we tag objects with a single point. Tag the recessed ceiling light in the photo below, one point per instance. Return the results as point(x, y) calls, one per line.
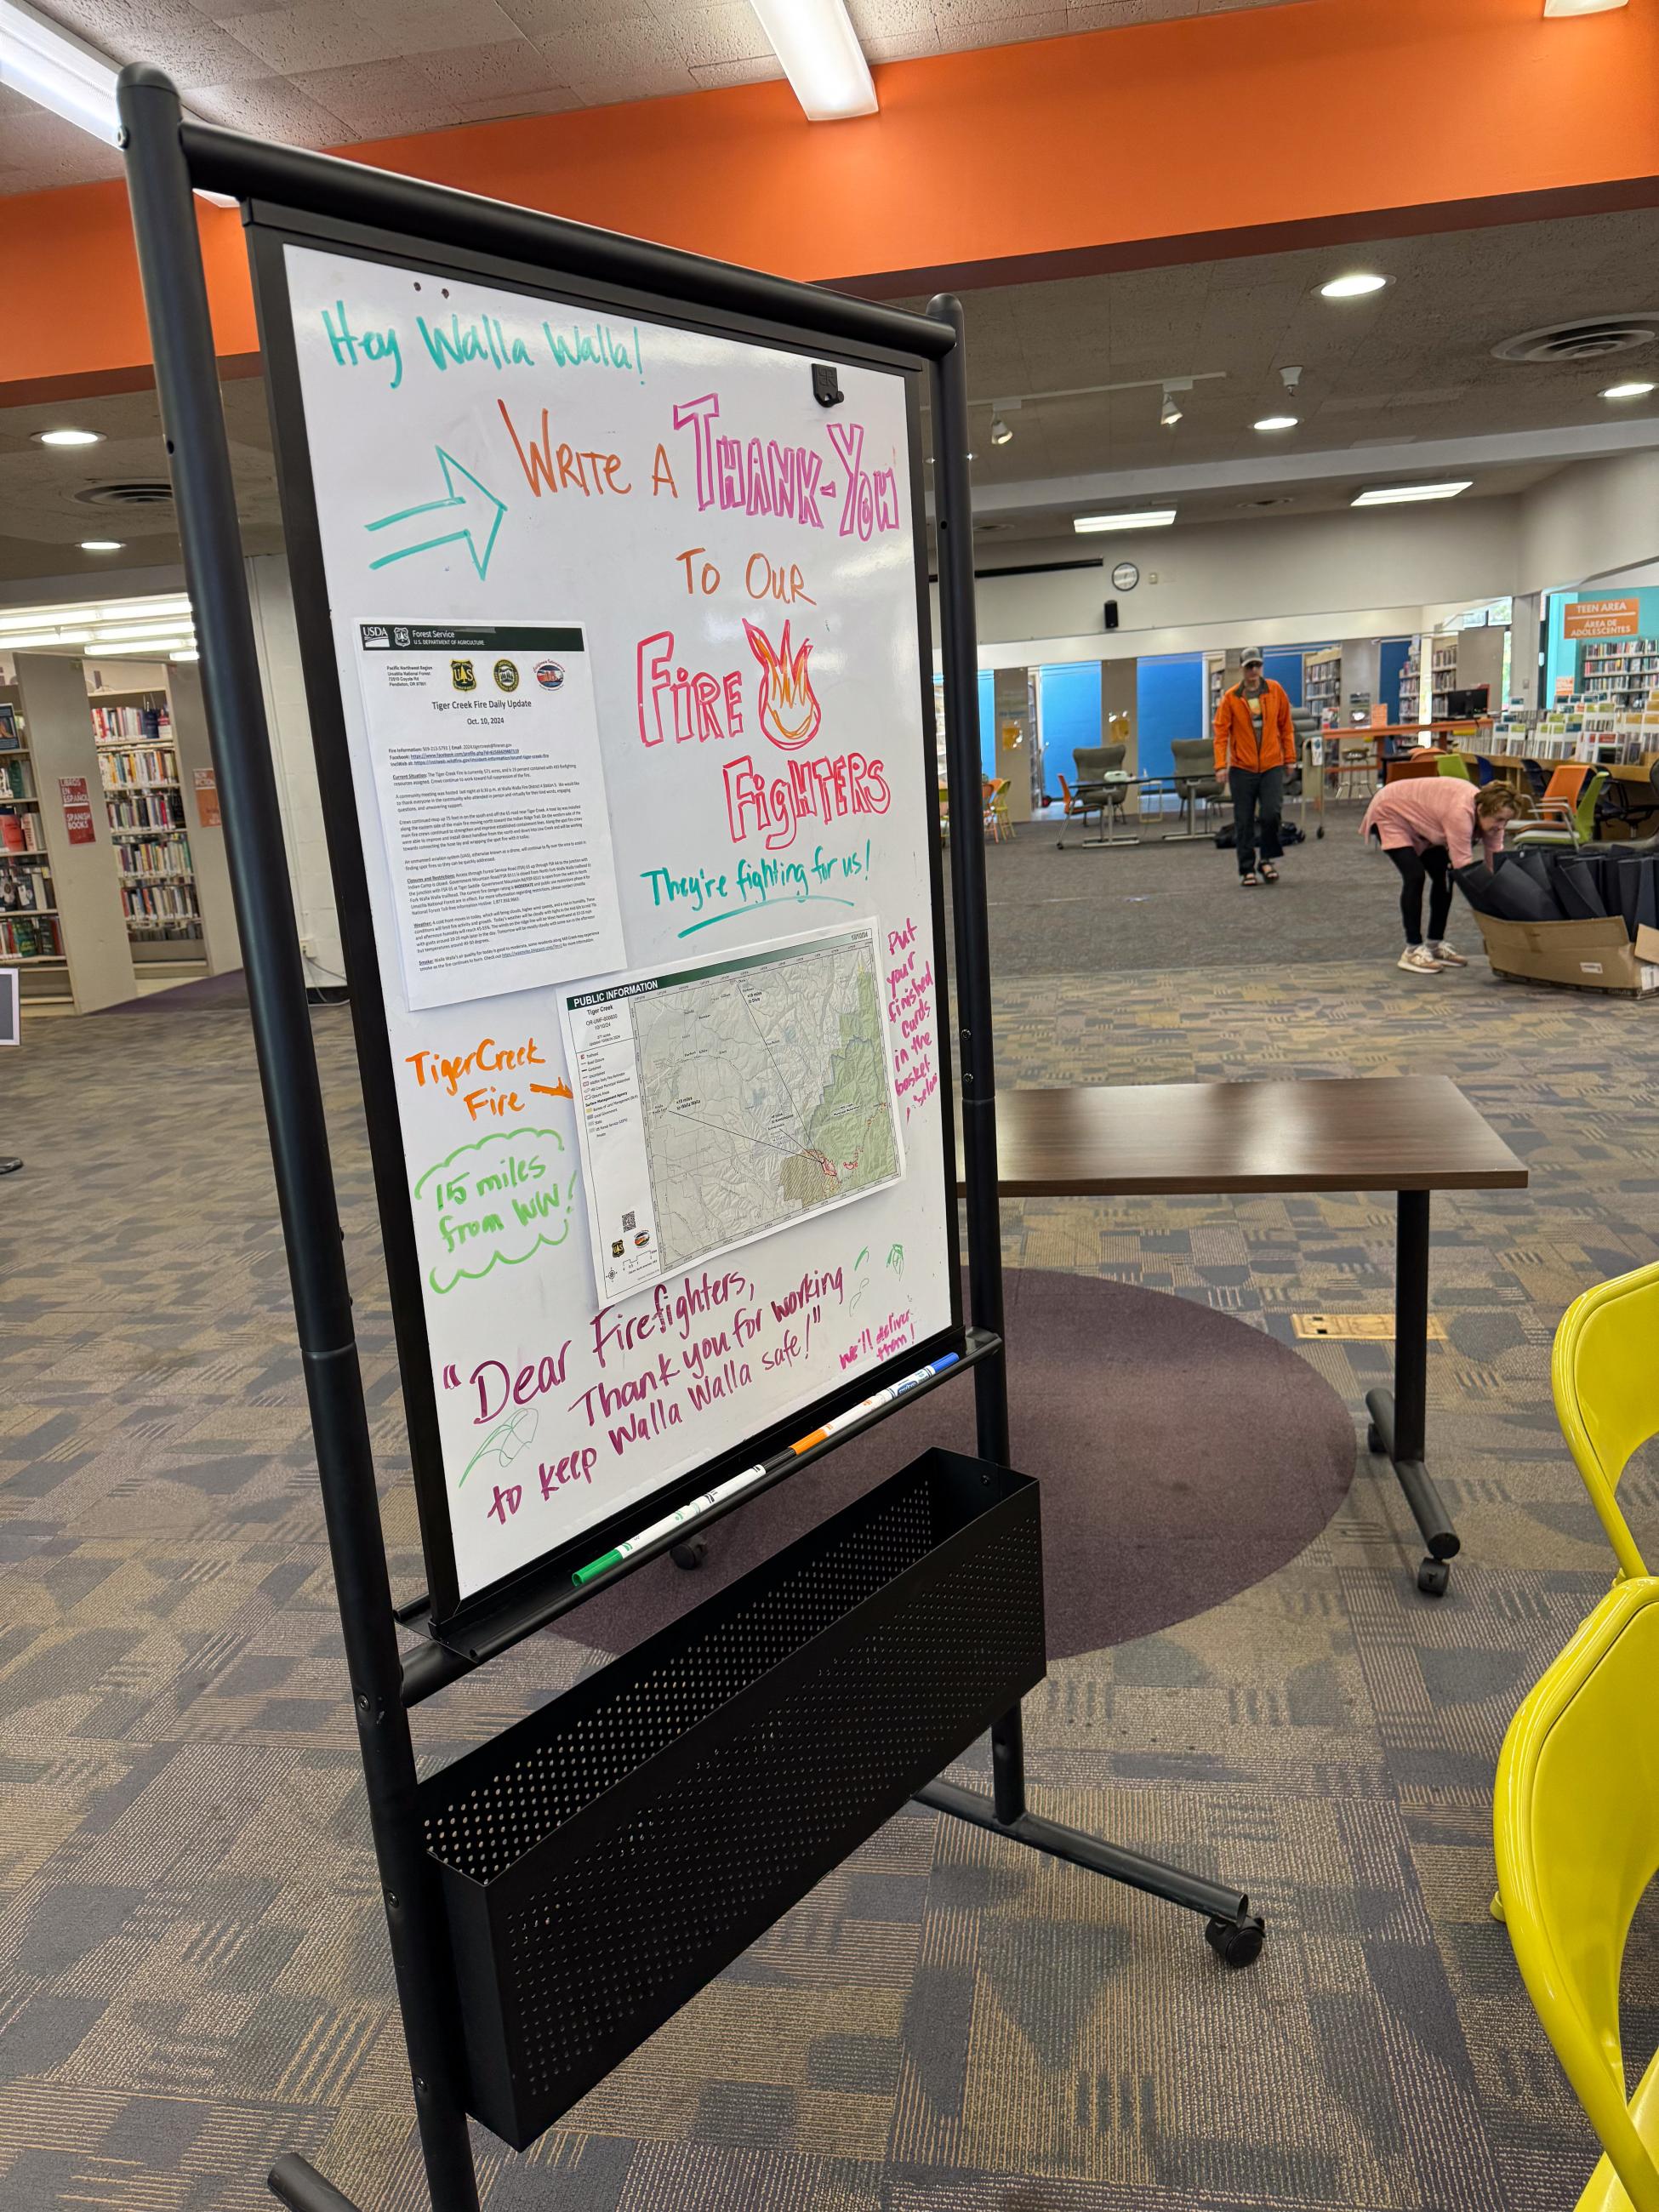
point(69, 437)
point(1397, 494)
point(1356, 286)
point(1278, 422)
point(1580, 7)
point(820, 55)
point(1635, 389)
point(103, 545)
point(1146, 518)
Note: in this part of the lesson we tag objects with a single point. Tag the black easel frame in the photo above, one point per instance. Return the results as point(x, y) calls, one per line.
point(166, 159)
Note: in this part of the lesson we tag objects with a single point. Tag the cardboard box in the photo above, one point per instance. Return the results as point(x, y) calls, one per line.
point(1585, 956)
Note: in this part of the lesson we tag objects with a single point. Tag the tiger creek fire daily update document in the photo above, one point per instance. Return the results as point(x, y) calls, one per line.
point(485, 746)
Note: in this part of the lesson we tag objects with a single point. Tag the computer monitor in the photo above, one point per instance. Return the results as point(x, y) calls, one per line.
point(1471, 701)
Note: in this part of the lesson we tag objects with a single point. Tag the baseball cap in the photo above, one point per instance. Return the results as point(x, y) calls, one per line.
point(1251, 653)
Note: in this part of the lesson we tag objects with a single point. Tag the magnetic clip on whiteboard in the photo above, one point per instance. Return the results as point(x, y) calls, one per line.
point(826, 385)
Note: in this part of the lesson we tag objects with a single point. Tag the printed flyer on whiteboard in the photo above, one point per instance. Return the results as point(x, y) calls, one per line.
point(485, 751)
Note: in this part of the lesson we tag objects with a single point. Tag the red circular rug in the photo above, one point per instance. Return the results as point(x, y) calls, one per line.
point(1183, 1457)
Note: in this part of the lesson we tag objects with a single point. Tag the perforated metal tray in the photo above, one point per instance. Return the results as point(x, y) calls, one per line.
point(609, 1855)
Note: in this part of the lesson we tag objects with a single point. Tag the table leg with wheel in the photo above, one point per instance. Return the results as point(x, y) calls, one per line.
point(1400, 1416)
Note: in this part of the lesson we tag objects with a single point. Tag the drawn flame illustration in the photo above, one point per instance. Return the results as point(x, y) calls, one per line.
point(789, 711)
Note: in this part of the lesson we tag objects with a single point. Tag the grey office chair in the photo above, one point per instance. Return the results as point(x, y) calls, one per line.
point(1196, 783)
point(1102, 790)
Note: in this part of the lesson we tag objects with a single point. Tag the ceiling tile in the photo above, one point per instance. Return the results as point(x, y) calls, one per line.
point(268, 107)
point(195, 51)
point(491, 71)
point(499, 106)
point(730, 33)
point(376, 100)
point(759, 71)
point(324, 34)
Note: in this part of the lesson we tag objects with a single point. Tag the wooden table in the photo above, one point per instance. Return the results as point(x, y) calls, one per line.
point(1411, 1135)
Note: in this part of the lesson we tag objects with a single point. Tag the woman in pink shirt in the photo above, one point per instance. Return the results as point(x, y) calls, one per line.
point(1428, 825)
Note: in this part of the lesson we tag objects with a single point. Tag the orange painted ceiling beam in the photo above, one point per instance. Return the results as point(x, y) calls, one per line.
point(1235, 132)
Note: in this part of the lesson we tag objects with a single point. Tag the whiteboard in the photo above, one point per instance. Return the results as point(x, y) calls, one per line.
point(727, 755)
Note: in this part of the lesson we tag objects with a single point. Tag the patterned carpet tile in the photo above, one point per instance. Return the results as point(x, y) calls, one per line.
point(193, 1972)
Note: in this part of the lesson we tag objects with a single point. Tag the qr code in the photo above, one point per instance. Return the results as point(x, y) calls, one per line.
point(628, 1221)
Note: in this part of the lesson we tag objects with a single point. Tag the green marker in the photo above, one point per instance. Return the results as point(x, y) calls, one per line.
point(691, 1512)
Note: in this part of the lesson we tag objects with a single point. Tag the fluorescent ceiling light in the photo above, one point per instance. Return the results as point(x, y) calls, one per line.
point(1148, 518)
point(1580, 7)
point(1278, 422)
point(46, 637)
point(191, 655)
point(1396, 495)
point(1635, 389)
point(1354, 287)
point(821, 56)
point(151, 614)
point(57, 70)
point(118, 648)
point(69, 437)
point(103, 545)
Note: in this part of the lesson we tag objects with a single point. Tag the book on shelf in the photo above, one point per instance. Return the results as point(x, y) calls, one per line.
point(138, 765)
point(24, 939)
point(110, 725)
point(11, 738)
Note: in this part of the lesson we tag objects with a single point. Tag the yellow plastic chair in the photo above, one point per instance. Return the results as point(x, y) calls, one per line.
point(1605, 1374)
point(1575, 1829)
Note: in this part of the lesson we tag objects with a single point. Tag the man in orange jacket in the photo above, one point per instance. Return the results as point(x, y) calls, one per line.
point(1254, 748)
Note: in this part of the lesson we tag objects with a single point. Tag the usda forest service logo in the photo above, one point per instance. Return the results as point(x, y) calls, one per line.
point(462, 676)
point(550, 674)
point(507, 675)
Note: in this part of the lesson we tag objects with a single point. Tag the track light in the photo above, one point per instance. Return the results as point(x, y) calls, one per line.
point(1170, 414)
point(1000, 434)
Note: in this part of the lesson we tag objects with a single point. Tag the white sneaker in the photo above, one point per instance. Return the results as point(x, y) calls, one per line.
point(1417, 960)
point(1442, 952)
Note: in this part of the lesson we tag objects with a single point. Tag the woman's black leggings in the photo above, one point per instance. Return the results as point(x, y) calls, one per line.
point(1434, 863)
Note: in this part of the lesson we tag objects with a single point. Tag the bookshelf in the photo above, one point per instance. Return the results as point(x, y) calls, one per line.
point(138, 765)
point(1321, 683)
point(1619, 672)
point(80, 959)
point(30, 927)
point(1442, 675)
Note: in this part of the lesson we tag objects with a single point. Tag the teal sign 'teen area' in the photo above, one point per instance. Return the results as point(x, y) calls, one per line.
point(468, 510)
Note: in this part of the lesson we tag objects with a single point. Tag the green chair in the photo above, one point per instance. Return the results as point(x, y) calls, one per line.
point(1575, 827)
point(1454, 764)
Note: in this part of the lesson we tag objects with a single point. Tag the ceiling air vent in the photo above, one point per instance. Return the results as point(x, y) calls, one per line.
point(1588, 338)
point(151, 491)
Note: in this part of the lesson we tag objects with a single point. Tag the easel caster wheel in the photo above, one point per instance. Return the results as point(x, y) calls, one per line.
point(691, 1553)
point(1236, 1942)
point(1373, 1438)
point(1432, 1576)
point(10, 1166)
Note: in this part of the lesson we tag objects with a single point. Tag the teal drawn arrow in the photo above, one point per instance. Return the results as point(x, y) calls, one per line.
point(476, 511)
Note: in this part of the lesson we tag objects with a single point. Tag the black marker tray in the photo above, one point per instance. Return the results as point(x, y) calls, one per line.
point(605, 1857)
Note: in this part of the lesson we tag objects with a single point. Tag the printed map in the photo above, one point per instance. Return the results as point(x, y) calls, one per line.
point(766, 1094)
point(724, 1100)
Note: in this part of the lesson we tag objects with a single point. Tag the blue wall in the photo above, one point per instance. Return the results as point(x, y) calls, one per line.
point(1169, 704)
point(1391, 660)
point(1286, 668)
point(1068, 698)
point(988, 724)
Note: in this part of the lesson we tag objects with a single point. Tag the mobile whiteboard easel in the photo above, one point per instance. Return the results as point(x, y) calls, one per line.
point(710, 1777)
